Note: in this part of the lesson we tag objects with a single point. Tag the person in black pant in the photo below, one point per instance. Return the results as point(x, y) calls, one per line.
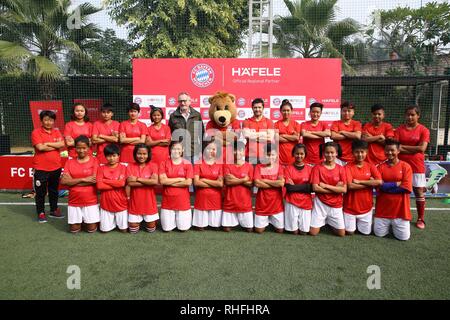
point(47, 142)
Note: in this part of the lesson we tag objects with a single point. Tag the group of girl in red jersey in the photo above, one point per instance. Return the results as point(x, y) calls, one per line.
point(342, 174)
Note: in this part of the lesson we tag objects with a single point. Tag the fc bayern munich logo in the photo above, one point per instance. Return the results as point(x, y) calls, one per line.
point(276, 102)
point(277, 114)
point(241, 102)
point(312, 100)
point(202, 75)
point(206, 101)
point(241, 113)
point(172, 101)
point(137, 100)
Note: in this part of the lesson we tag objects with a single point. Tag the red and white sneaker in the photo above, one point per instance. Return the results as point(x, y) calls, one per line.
point(42, 218)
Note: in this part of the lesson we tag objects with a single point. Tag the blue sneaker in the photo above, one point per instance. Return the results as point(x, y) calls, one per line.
point(42, 218)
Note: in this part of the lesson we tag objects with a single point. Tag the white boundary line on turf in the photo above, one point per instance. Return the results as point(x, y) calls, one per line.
point(65, 204)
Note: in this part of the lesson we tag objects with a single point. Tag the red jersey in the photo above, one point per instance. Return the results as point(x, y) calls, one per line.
point(72, 129)
point(395, 205)
point(346, 144)
point(233, 126)
point(238, 198)
point(208, 198)
point(376, 154)
point(46, 160)
point(360, 201)
point(413, 137)
point(100, 127)
point(142, 199)
point(332, 177)
point(268, 201)
point(292, 128)
point(159, 153)
point(255, 149)
point(113, 197)
point(82, 196)
point(176, 198)
point(313, 145)
point(131, 131)
point(298, 199)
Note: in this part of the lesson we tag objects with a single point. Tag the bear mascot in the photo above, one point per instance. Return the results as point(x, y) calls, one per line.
point(223, 126)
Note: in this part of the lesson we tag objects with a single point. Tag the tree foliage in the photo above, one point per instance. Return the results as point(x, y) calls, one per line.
point(183, 28)
point(416, 35)
point(36, 35)
point(108, 55)
point(311, 31)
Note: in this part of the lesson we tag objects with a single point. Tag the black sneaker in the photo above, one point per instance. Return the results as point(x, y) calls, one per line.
point(42, 218)
point(56, 214)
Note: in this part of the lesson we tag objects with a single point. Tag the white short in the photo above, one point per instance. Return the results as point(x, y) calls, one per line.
point(362, 221)
point(110, 220)
point(400, 228)
point(204, 218)
point(77, 215)
point(232, 219)
point(137, 218)
point(296, 218)
point(180, 219)
point(418, 180)
point(276, 220)
point(322, 214)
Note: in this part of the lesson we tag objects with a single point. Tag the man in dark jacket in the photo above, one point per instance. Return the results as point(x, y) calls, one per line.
point(190, 121)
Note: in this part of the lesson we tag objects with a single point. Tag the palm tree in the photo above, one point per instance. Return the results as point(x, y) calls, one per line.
point(311, 31)
point(38, 34)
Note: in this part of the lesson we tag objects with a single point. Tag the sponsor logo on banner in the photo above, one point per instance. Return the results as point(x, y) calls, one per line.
point(277, 102)
point(296, 101)
point(147, 100)
point(241, 102)
point(202, 75)
point(204, 102)
point(172, 101)
point(169, 111)
point(276, 115)
point(137, 100)
point(245, 113)
point(205, 113)
point(311, 101)
point(328, 114)
point(255, 71)
point(145, 113)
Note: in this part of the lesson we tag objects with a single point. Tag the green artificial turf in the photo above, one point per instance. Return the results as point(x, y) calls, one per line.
point(217, 265)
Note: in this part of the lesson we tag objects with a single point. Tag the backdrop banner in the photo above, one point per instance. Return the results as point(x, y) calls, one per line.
point(303, 81)
point(54, 105)
point(93, 107)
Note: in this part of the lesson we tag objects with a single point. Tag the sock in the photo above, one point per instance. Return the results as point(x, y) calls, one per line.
point(420, 205)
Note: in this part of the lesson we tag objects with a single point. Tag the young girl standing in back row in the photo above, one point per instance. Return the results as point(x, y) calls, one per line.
point(414, 138)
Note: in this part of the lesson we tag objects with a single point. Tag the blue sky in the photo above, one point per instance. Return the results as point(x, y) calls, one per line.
point(357, 9)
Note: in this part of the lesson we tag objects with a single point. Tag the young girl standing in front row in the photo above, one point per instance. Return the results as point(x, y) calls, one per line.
point(208, 181)
point(329, 183)
point(80, 175)
point(111, 180)
point(142, 177)
point(237, 204)
point(176, 176)
point(297, 209)
point(393, 201)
